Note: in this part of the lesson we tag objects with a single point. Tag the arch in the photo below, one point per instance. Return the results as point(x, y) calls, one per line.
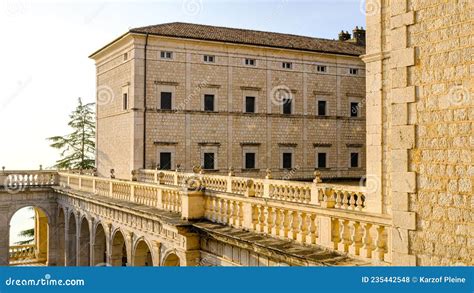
point(142, 256)
point(72, 241)
point(119, 250)
point(84, 243)
point(36, 251)
point(171, 259)
point(100, 246)
point(61, 237)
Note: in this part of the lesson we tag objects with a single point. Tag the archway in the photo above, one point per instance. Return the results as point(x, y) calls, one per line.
point(142, 256)
point(61, 238)
point(172, 260)
point(119, 250)
point(100, 246)
point(84, 244)
point(29, 234)
point(72, 242)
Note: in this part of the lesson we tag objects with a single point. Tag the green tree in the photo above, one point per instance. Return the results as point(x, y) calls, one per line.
point(78, 147)
point(29, 234)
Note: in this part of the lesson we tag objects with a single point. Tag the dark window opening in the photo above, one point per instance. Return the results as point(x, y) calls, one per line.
point(354, 109)
point(287, 106)
point(250, 104)
point(249, 160)
point(165, 161)
point(125, 101)
point(322, 108)
point(354, 160)
point(321, 160)
point(209, 161)
point(287, 160)
point(165, 102)
point(208, 102)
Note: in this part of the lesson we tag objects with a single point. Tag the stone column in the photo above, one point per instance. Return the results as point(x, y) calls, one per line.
point(41, 234)
point(4, 237)
point(67, 248)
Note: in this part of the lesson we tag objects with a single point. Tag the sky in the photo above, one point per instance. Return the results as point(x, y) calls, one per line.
point(44, 49)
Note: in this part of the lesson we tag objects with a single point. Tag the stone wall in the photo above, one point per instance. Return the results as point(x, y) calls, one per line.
point(419, 124)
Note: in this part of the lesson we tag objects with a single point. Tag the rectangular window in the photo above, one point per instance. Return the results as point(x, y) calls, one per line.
point(287, 106)
point(287, 65)
point(165, 161)
point(209, 161)
point(353, 71)
point(321, 68)
point(321, 160)
point(249, 160)
point(287, 160)
point(354, 109)
point(209, 58)
point(125, 101)
point(250, 104)
point(208, 102)
point(250, 62)
point(354, 160)
point(125, 56)
point(166, 55)
point(165, 102)
point(321, 108)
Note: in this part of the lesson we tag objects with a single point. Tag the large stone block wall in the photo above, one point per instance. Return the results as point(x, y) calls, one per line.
point(419, 142)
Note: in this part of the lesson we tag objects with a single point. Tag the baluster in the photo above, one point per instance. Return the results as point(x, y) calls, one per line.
point(366, 250)
point(345, 202)
point(312, 229)
point(356, 239)
point(339, 197)
point(269, 220)
point(286, 222)
point(303, 227)
point(352, 201)
point(228, 211)
point(276, 223)
point(359, 201)
point(240, 214)
point(255, 216)
point(346, 235)
point(336, 236)
point(261, 219)
point(381, 243)
point(294, 225)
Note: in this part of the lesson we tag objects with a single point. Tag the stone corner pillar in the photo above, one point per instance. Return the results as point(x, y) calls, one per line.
point(192, 204)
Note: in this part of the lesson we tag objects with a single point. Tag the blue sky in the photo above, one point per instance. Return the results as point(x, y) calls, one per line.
point(45, 44)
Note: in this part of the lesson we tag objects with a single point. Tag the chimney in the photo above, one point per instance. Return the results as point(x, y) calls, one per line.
point(344, 36)
point(359, 35)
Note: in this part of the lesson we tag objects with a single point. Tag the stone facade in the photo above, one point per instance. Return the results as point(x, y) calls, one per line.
point(187, 132)
point(419, 127)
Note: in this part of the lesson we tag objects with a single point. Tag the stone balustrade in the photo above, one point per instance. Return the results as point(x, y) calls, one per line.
point(13, 179)
point(22, 252)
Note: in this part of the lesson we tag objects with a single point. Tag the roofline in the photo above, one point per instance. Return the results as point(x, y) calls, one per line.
point(241, 43)
point(109, 44)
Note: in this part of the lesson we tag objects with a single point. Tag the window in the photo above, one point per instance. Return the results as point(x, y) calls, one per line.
point(321, 108)
point(125, 101)
point(165, 101)
point(250, 62)
point(249, 160)
point(209, 58)
point(321, 160)
point(125, 56)
point(287, 160)
point(321, 68)
point(209, 161)
point(250, 104)
point(353, 71)
point(208, 102)
point(166, 55)
point(287, 65)
point(165, 161)
point(354, 160)
point(354, 109)
point(287, 106)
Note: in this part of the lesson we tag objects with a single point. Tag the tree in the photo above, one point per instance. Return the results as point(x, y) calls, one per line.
point(29, 234)
point(78, 147)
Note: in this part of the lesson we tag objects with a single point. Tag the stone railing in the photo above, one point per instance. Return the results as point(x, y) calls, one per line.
point(22, 252)
point(315, 193)
point(310, 213)
point(18, 179)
